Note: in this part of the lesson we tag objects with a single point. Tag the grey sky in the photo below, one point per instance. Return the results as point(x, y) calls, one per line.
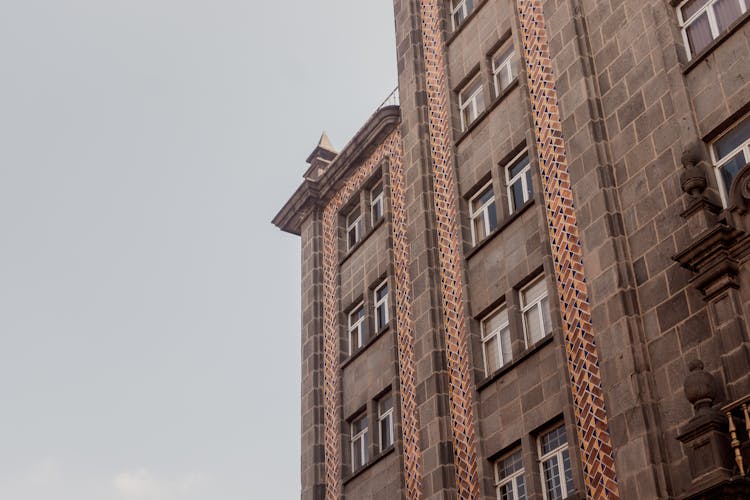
point(149, 312)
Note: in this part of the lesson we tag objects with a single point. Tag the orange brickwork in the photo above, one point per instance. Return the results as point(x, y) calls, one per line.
point(389, 153)
point(449, 254)
point(583, 362)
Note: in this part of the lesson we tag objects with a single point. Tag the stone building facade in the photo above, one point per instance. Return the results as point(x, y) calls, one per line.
point(527, 277)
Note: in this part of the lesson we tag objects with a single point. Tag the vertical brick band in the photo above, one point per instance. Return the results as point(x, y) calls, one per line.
point(390, 151)
point(449, 255)
point(583, 362)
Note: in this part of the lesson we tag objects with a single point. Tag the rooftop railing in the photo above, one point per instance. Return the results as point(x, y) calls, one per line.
point(391, 100)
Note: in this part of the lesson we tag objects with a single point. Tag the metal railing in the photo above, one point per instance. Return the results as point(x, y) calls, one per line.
point(391, 100)
point(739, 436)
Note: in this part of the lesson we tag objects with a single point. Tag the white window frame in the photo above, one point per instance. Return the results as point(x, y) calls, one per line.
point(353, 225)
point(487, 336)
point(358, 326)
point(470, 101)
point(482, 211)
point(521, 176)
point(466, 6)
point(712, 22)
point(506, 65)
point(387, 415)
point(359, 436)
point(382, 302)
point(720, 162)
point(513, 478)
point(377, 201)
point(537, 302)
point(557, 452)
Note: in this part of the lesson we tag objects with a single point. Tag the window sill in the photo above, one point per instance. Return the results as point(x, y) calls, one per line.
point(499, 229)
point(367, 344)
point(490, 379)
point(454, 34)
point(733, 28)
point(370, 464)
point(500, 98)
point(362, 240)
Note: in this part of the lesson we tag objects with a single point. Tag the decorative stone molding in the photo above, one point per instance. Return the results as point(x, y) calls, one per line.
point(706, 442)
point(739, 194)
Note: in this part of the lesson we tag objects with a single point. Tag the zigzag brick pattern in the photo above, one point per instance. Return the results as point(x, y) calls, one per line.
point(583, 362)
point(449, 255)
point(390, 153)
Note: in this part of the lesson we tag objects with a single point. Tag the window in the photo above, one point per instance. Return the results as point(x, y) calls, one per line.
point(504, 68)
point(483, 213)
point(535, 310)
point(509, 481)
point(357, 328)
point(460, 10)
point(518, 177)
point(353, 228)
point(554, 462)
point(471, 102)
point(359, 442)
point(381, 306)
point(496, 340)
point(376, 203)
point(704, 20)
point(385, 421)
point(730, 153)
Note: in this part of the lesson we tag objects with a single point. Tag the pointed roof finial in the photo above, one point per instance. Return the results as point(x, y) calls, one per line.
point(325, 143)
point(323, 150)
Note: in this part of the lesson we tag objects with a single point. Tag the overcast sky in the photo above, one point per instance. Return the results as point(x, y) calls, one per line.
point(149, 311)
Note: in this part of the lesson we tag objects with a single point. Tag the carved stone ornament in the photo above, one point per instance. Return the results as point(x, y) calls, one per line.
point(700, 387)
point(693, 178)
point(739, 193)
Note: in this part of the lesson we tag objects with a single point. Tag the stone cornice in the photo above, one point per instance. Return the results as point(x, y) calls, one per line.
point(313, 194)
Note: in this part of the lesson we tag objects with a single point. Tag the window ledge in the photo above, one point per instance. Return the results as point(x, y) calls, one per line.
point(367, 344)
point(362, 240)
point(733, 28)
point(454, 34)
point(370, 464)
point(489, 380)
point(495, 102)
point(500, 227)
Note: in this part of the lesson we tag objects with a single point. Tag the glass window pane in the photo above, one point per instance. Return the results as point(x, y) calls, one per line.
point(533, 292)
point(492, 217)
point(470, 89)
point(529, 185)
point(479, 201)
point(734, 139)
point(730, 170)
point(516, 191)
point(495, 321)
point(385, 433)
point(533, 325)
point(505, 345)
point(491, 354)
point(502, 57)
point(546, 319)
point(567, 471)
point(521, 488)
point(727, 11)
point(517, 167)
point(480, 102)
point(691, 8)
point(357, 454)
point(479, 231)
point(382, 292)
point(552, 479)
point(386, 403)
point(699, 34)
